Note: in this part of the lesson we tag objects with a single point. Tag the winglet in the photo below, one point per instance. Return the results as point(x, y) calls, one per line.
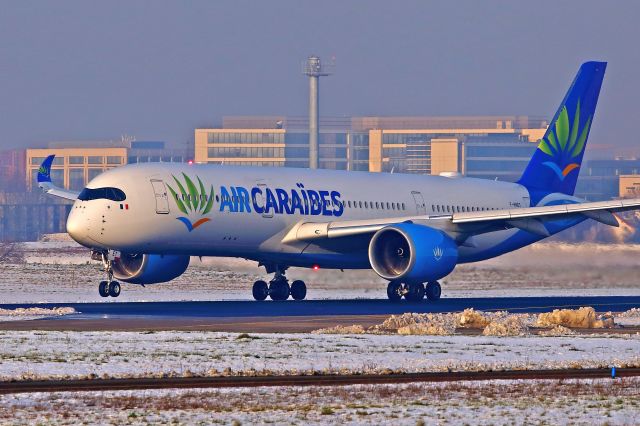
point(44, 172)
point(44, 181)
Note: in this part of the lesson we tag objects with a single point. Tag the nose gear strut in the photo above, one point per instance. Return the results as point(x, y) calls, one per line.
point(110, 287)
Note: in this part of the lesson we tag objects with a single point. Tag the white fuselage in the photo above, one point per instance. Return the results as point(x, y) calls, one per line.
point(243, 221)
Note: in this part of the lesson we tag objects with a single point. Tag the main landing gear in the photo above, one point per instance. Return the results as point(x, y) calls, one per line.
point(413, 292)
point(279, 288)
point(110, 287)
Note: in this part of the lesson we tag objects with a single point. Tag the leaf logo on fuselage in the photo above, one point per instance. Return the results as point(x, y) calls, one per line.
point(565, 142)
point(192, 200)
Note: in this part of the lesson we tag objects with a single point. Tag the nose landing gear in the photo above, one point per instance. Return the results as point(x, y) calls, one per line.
point(110, 287)
point(278, 288)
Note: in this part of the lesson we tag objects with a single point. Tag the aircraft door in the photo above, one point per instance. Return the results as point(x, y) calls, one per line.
point(162, 200)
point(421, 207)
point(261, 199)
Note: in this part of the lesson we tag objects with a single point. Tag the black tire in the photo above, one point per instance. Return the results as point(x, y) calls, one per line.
point(114, 289)
point(298, 290)
point(394, 291)
point(279, 290)
point(433, 291)
point(415, 292)
point(260, 290)
point(103, 288)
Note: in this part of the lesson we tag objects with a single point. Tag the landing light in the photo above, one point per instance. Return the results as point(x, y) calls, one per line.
point(190, 162)
point(316, 267)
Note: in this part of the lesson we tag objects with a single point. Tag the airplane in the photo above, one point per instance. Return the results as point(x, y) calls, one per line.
point(145, 221)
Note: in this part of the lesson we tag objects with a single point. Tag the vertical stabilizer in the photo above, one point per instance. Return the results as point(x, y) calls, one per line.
point(555, 165)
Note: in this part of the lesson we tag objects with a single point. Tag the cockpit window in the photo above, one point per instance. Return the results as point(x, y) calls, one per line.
point(113, 194)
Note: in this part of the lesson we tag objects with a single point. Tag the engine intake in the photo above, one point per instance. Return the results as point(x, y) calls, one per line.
point(412, 253)
point(149, 268)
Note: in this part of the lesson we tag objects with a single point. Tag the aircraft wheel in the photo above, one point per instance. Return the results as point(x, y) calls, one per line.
point(279, 290)
point(114, 289)
point(433, 291)
point(103, 288)
point(415, 292)
point(298, 290)
point(394, 291)
point(260, 290)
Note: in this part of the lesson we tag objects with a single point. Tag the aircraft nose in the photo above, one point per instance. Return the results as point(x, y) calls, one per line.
point(78, 226)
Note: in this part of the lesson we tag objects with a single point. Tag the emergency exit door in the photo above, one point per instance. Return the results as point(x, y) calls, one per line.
point(421, 207)
point(162, 200)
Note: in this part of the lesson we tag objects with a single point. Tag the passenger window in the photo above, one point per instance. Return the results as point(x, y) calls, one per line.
point(403, 206)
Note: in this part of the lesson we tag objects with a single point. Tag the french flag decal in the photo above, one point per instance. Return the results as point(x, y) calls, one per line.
point(124, 206)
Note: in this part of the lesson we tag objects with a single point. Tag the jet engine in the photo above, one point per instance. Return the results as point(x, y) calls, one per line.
point(408, 252)
point(149, 268)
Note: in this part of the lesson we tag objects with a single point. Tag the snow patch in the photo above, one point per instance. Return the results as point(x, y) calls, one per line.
point(341, 329)
point(33, 313)
point(584, 317)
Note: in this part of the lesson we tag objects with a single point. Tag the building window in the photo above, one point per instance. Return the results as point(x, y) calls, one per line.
point(76, 179)
point(76, 159)
point(114, 160)
point(93, 173)
point(94, 159)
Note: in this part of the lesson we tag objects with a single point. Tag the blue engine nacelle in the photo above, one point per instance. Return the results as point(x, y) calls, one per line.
point(408, 252)
point(149, 268)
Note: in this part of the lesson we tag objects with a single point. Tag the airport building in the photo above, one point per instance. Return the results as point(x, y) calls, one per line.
point(484, 146)
point(76, 163)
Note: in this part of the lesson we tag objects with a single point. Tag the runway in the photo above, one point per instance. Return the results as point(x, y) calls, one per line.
point(289, 316)
point(220, 309)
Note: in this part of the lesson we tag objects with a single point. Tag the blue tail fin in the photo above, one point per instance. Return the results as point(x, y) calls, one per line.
point(44, 172)
point(555, 165)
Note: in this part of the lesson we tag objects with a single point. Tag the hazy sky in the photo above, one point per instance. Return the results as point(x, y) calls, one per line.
point(80, 70)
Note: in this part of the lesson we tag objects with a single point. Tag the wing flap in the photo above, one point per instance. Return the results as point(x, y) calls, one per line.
point(591, 210)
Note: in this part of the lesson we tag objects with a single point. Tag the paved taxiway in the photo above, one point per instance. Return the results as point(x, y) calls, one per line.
point(289, 316)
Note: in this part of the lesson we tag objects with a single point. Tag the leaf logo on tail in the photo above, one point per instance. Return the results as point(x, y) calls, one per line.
point(192, 200)
point(565, 142)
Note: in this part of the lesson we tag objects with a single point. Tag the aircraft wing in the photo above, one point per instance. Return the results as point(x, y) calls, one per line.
point(463, 225)
point(44, 181)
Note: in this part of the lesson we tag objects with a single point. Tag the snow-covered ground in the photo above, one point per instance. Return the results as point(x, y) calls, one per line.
point(22, 314)
point(44, 354)
point(60, 271)
point(615, 402)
